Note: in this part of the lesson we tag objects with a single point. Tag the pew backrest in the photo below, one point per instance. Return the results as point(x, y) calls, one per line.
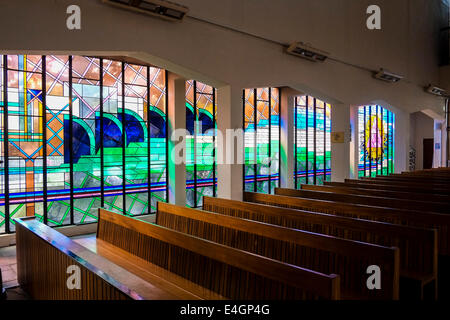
point(44, 257)
point(230, 272)
point(413, 205)
point(441, 222)
point(326, 254)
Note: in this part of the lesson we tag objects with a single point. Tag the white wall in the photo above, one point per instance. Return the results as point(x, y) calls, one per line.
point(423, 128)
point(406, 44)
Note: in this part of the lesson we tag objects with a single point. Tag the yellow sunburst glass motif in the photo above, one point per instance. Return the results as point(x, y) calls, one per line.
point(375, 138)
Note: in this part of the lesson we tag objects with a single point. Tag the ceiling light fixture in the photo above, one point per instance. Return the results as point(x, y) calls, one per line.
point(436, 91)
point(160, 8)
point(387, 76)
point(305, 51)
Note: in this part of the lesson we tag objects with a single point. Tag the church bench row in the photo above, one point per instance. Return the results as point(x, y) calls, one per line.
point(441, 222)
point(131, 259)
point(433, 184)
point(326, 254)
point(435, 178)
point(384, 186)
point(344, 189)
point(223, 270)
point(407, 186)
point(45, 256)
point(418, 246)
point(376, 201)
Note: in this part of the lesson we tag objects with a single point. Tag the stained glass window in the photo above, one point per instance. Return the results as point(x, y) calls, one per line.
point(82, 132)
point(376, 141)
point(2, 149)
point(312, 138)
point(261, 139)
point(200, 142)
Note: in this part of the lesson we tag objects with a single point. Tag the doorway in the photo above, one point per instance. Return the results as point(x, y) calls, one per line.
point(428, 151)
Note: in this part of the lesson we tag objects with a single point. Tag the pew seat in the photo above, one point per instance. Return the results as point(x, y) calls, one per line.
point(214, 268)
point(44, 254)
point(176, 286)
point(349, 259)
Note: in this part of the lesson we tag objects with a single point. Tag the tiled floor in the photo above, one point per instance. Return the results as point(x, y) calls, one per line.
point(8, 265)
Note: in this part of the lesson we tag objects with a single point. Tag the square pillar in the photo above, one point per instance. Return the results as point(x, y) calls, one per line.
point(230, 143)
point(401, 141)
point(287, 143)
point(340, 151)
point(176, 117)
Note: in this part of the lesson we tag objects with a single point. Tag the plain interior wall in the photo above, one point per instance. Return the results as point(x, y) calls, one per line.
point(423, 128)
point(218, 56)
point(213, 53)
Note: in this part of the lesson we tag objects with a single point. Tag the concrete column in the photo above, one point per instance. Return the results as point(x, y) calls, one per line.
point(401, 141)
point(230, 143)
point(340, 152)
point(287, 142)
point(354, 142)
point(176, 115)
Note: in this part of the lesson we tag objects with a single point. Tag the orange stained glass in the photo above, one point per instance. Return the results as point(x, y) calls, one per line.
point(263, 110)
point(190, 92)
point(112, 73)
point(262, 94)
point(57, 74)
point(135, 74)
point(205, 102)
point(86, 67)
point(249, 96)
point(158, 78)
point(34, 63)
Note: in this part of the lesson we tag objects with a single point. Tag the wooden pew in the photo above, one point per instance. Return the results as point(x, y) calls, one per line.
point(418, 246)
point(421, 187)
point(383, 186)
point(439, 178)
point(435, 185)
point(343, 189)
point(229, 272)
point(366, 200)
point(43, 258)
point(348, 259)
point(441, 222)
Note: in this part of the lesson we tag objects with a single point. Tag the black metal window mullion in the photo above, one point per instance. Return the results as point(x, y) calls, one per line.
point(71, 140)
point(295, 145)
point(388, 134)
point(370, 139)
point(167, 134)
point(149, 166)
point(315, 141)
point(44, 139)
point(102, 160)
point(324, 142)
point(5, 140)
point(280, 107)
point(255, 165)
point(390, 143)
point(214, 142)
point(378, 149)
point(195, 142)
point(307, 140)
point(364, 143)
point(123, 141)
point(382, 142)
point(243, 124)
point(270, 141)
